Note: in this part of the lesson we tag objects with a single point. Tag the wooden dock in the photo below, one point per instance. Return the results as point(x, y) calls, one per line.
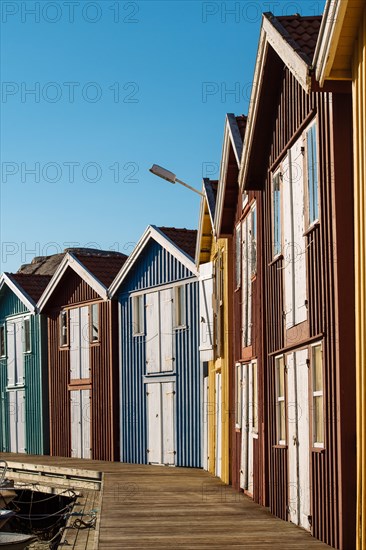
point(160, 507)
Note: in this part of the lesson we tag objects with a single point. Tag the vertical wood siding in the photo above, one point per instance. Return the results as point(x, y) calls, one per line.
point(156, 266)
point(104, 374)
point(35, 371)
point(328, 258)
point(259, 324)
point(359, 133)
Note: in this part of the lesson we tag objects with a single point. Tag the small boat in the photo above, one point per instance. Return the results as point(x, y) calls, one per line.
point(15, 541)
point(6, 496)
point(5, 515)
point(7, 493)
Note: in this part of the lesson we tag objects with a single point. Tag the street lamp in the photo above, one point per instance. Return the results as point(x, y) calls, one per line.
point(172, 178)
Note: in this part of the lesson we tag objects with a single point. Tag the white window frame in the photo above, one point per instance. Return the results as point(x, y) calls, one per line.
point(180, 319)
point(276, 245)
point(309, 129)
point(64, 328)
point(252, 244)
point(138, 315)
point(238, 256)
point(317, 393)
point(254, 398)
point(27, 322)
point(238, 395)
point(3, 340)
point(91, 317)
point(280, 398)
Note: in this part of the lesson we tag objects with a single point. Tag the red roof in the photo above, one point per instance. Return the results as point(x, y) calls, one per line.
point(301, 32)
point(104, 266)
point(185, 239)
point(33, 285)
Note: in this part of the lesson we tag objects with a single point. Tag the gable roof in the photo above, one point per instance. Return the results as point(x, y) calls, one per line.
point(96, 267)
point(228, 184)
point(168, 238)
point(28, 288)
point(287, 41)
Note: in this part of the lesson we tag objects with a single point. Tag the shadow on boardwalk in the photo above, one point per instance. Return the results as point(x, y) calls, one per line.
point(160, 507)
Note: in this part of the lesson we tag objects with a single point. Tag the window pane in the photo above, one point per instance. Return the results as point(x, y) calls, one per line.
point(312, 168)
point(318, 419)
point(280, 377)
point(63, 328)
point(276, 215)
point(95, 322)
point(317, 369)
point(280, 398)
point(254, 398)
point(238, 412)
point(238, 256)
point(2, 340)
point(281, 421)
point(254, 241)
point(138, 315)
point(27, 340)
point(180, 306)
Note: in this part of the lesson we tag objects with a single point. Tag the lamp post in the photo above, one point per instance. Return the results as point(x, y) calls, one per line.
point(171, 177)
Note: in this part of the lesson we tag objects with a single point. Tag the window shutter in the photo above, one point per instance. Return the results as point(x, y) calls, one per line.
point(206, 311)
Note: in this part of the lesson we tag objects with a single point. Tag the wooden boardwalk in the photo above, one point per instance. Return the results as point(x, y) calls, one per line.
point(160, 507)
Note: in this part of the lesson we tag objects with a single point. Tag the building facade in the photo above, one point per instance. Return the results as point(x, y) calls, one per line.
point(160, 379)
point(83, 355)
point(340, 61)
point(23, 366)
point(297, 153)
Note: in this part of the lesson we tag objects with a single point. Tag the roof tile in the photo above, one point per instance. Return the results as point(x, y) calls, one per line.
point(303, 31)
point(33, 285)
point(185, 239)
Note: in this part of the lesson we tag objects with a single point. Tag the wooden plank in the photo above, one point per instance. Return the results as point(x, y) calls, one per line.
point(161, 507)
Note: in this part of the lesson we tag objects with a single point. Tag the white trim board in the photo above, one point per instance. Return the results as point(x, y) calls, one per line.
point(151, 232)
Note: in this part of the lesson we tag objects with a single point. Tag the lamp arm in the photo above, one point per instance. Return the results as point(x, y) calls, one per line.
point(189, 187)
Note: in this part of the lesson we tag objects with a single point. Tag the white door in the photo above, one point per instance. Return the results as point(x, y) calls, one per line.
point(15, 361)
point(244, 430)
point(80, 424)
point(16, 399)
point(79, 343)
point(298, 438)
point(152, 333)
point(205, 423)
point(160, 398)
point(166, 330)
point(251, 412)
point(218, 425)
point(206, 311)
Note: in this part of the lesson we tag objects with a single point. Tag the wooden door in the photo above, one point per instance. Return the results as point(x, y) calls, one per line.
point(298, 438)
point(79, 343)
point(218, 404)
point(80, 424)
point(152, 333)
point(166, 330)
point(16, 403)
point(244, 430)
point(160, 400)
point(205, 423)
point(15, 355)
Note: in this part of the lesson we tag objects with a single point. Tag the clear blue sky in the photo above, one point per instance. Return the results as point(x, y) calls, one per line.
point(119, 85)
